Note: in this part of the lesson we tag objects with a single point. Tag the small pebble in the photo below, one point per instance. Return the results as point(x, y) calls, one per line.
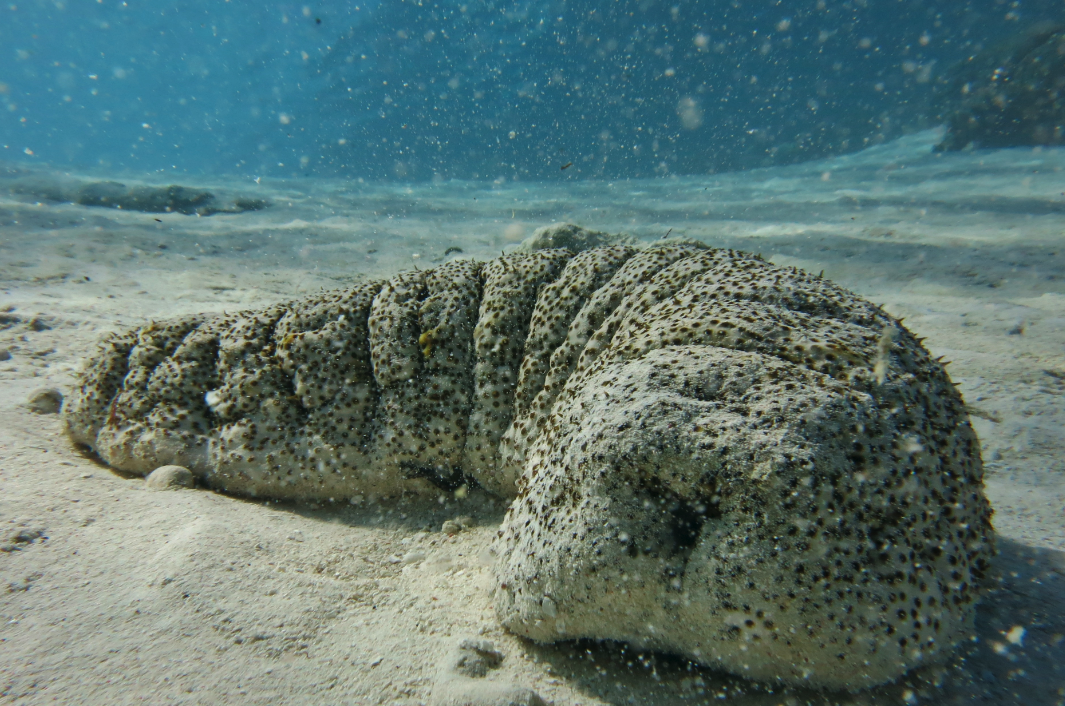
point(453, 527)
point(45, 401)
point(170, 478)
point(5, 354)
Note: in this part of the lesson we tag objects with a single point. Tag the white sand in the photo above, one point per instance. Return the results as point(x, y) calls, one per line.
point(134, 595)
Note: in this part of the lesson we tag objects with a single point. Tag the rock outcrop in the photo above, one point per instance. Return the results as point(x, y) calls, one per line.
point(1010, 94)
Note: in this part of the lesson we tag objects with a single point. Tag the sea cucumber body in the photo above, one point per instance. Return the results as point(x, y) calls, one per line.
point(707, 454)
point(426, 380)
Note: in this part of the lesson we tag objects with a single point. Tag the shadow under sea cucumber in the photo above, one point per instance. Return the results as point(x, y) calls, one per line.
point(707, 454)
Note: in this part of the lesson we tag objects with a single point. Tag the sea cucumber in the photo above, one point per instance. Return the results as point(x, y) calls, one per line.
point(706, 453)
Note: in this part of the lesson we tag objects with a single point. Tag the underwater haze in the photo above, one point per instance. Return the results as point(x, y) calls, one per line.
point(484, 353)
point(478, 90)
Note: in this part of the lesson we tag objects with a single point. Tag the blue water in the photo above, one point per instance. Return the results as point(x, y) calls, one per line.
point(476, 90)
point(162, 86)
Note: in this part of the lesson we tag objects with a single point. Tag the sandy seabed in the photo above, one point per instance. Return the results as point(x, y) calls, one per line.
point(111, 593)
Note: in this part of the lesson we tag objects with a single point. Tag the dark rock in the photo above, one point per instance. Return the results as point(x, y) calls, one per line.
point(144, 198)
point(1009, 95)
point(109, 194)
point(249, 204)
point(150, 199)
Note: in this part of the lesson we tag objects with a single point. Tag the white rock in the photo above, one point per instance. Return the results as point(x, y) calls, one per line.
point(170, 478)
point(45, 401)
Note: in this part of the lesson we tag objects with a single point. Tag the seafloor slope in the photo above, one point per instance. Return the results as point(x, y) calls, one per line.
point(115, 593)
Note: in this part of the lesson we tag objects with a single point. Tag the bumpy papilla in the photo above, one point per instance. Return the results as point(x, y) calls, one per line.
point(707, 454)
